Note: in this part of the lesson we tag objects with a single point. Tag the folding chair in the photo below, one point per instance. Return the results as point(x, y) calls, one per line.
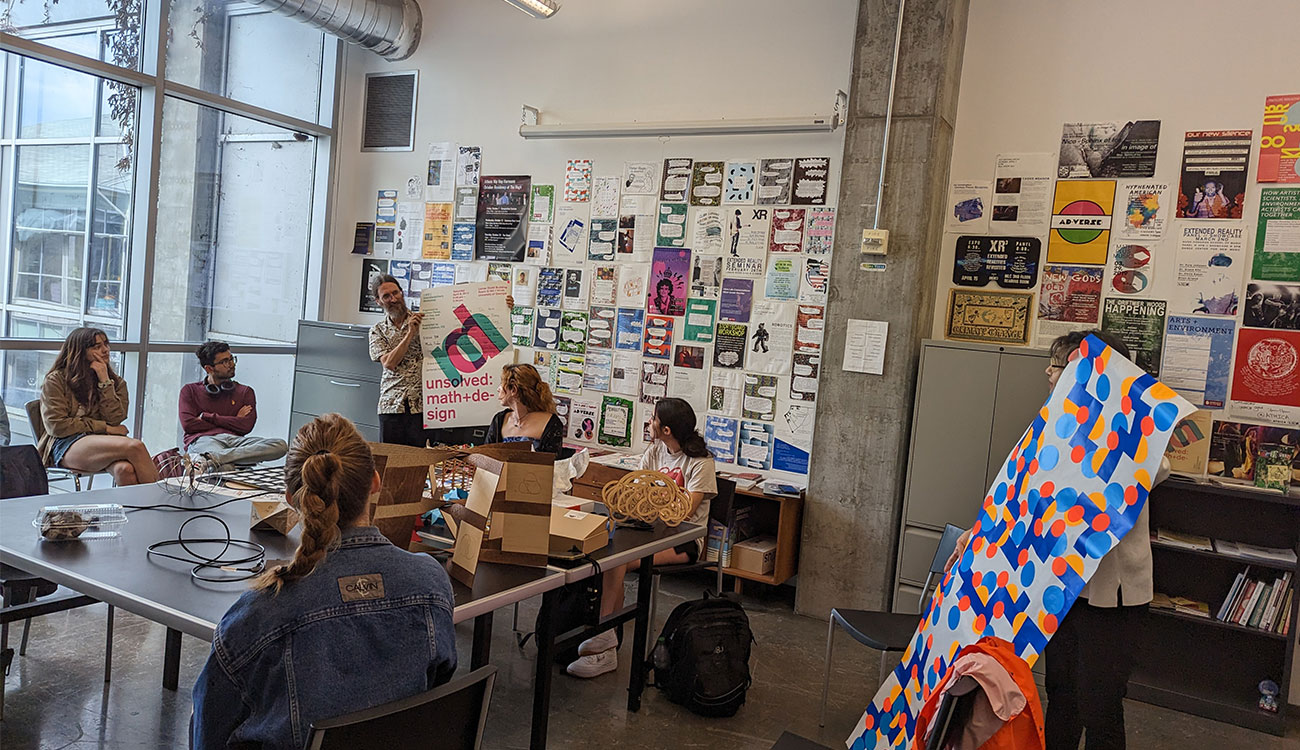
point(885, 631)
point(55, 473)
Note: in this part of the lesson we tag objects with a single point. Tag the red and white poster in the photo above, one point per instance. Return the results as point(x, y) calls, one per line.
point(1266, 375)
point(1279, 139)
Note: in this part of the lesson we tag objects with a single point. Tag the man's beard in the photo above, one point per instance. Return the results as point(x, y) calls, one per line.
point(395, 310)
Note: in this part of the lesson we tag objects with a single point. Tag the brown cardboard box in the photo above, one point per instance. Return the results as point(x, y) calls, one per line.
point(756, 555)
point(575, 532)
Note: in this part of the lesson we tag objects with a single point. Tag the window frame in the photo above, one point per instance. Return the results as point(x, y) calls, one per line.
point(138, 265)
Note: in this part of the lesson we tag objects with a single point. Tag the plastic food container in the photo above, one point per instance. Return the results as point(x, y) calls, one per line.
point(62, 523)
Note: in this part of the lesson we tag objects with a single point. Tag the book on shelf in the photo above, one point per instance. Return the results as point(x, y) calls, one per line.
point(744, 480)
point(1184, 540)
point(1180, 604)
point(1257, 599)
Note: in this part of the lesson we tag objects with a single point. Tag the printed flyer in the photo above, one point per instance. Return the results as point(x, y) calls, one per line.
point(787, 230)
point(1213, 182)
point(1211, 260)
point(811, 177)
point(1277, 237)
point(1146, 210)
point(1022, 192)
point(1198, 359)
point(1081, 213)
point(1010, 261)
point(1140, 324)
point(1069, 299)
point(1279, 142)
point(1189, 445)
point(994, 317)
point(1267, 374)
point(501, 224)
point(1108, 149)
point(745, 250)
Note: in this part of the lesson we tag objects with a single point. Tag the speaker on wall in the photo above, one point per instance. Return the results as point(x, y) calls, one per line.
point(389, 123)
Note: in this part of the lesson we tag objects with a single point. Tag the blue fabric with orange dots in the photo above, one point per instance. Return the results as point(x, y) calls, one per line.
point(1072, 487)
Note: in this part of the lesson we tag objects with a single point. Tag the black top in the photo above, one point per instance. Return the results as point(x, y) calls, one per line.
point(551, 441)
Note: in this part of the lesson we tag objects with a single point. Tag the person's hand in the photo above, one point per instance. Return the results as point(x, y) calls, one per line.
point(957, 551)
point(245, 410)
point(413, 322)
point(117, 429)
point(101, 369)
point(510, 301)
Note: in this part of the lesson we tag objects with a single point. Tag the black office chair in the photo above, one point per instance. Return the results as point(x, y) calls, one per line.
point(885, 631)
point(722, 510)
point(457, 711)
point(24, 476)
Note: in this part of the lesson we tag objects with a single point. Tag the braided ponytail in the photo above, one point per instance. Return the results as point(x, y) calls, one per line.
point(327, 473)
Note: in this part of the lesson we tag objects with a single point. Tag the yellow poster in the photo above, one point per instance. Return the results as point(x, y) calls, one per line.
point(1081, 213)
point(437, 231)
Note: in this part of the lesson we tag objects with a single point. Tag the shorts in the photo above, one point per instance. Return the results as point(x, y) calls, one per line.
point(691, 550)
point(61, 446)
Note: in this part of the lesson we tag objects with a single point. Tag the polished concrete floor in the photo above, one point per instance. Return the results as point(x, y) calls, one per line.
point(56, 697)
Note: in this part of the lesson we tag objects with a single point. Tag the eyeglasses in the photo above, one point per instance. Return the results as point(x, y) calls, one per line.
point(1054, 366)
point(233, 359)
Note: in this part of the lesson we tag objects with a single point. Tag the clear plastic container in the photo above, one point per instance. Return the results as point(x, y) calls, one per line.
point(62, 523)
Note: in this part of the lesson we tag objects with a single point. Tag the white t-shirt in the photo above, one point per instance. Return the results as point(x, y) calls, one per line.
point(691, 474)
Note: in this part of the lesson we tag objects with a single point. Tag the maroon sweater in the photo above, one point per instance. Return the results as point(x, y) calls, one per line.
point(205, 414)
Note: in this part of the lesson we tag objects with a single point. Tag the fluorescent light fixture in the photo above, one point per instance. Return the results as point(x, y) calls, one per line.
point(530, 128)
point(536, 8)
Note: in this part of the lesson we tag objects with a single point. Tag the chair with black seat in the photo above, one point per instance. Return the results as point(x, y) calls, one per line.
point(24, 476)
point(886, 631)
point(55, 473)
point(458, 710)
point(722, 510)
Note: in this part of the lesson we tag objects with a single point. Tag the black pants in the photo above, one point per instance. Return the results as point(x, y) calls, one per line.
point(1089, 661)
point(408, 429)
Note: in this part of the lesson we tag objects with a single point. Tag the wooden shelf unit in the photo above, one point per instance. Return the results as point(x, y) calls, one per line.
point(1200, 665)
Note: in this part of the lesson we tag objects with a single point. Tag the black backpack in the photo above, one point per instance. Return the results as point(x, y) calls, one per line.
point(701, 659)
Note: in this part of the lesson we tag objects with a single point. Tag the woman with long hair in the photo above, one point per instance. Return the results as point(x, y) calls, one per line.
point(529, 415)
point(83, 405)
point(678, 451)
point(349, 623)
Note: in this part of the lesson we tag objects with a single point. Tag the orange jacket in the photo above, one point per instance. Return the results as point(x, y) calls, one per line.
point(1024, 731)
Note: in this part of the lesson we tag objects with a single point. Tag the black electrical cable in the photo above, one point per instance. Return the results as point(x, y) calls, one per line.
point(214, 506)
point(257, 556)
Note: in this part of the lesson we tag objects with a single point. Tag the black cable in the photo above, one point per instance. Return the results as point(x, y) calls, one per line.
point(214, 506)
point(202, 562)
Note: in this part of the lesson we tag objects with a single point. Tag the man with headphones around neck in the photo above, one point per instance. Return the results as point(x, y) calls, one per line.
point(217, 414)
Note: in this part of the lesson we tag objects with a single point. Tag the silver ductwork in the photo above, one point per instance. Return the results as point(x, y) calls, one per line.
point(389, 28)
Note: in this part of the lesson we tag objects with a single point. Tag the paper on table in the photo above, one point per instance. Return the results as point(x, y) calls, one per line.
point(864, 346)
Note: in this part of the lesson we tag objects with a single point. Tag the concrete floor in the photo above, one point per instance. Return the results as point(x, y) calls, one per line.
point(56, 697)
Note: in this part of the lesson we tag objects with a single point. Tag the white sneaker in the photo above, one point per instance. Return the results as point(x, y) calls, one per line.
point(594, 665)
point(598, 643)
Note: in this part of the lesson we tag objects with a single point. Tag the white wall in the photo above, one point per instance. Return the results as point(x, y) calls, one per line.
point(594, 61)
point(1031, 66)
point(1192, 64)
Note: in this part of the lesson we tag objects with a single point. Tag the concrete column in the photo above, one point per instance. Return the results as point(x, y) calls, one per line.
point(855, 494)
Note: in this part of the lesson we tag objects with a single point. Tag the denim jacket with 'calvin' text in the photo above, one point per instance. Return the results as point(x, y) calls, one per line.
point(371, 624)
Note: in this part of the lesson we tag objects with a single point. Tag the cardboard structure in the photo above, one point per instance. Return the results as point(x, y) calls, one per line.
point(507, 516)
point(273, 515)
point(575, 532)
point(401, 501)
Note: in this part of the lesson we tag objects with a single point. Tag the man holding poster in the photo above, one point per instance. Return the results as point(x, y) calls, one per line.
point(395, 343)
point(465, 339)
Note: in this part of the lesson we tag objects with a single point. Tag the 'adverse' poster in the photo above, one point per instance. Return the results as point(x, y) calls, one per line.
point(1081, 213)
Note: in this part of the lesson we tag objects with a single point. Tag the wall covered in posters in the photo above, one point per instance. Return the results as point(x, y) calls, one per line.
point(1204, 224)
point(630, 305)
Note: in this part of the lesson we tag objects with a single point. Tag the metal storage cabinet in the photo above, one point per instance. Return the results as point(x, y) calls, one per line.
point(973, 401)
point(334, 373)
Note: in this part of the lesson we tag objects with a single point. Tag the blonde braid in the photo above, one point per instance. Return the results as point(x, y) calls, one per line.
point(329, 485)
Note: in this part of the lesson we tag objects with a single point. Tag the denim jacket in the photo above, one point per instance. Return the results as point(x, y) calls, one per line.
point(371, 624)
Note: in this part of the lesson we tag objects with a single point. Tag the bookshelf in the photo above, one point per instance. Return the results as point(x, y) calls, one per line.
point(1204, 666)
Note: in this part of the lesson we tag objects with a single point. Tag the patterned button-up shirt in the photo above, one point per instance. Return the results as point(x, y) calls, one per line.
point(401, 385)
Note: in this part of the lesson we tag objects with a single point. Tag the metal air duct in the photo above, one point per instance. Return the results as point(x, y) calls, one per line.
point(389, 28)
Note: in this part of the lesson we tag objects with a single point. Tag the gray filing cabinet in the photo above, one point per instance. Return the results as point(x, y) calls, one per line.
point(334, 373)
point(973, 402)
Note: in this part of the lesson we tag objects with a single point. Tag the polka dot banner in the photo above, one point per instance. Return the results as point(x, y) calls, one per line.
point(1072, 487)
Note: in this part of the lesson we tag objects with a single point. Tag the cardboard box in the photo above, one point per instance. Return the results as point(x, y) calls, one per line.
point(756, 556)
point(575, 532)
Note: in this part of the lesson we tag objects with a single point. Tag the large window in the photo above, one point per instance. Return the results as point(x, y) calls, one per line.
point(163, 231)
